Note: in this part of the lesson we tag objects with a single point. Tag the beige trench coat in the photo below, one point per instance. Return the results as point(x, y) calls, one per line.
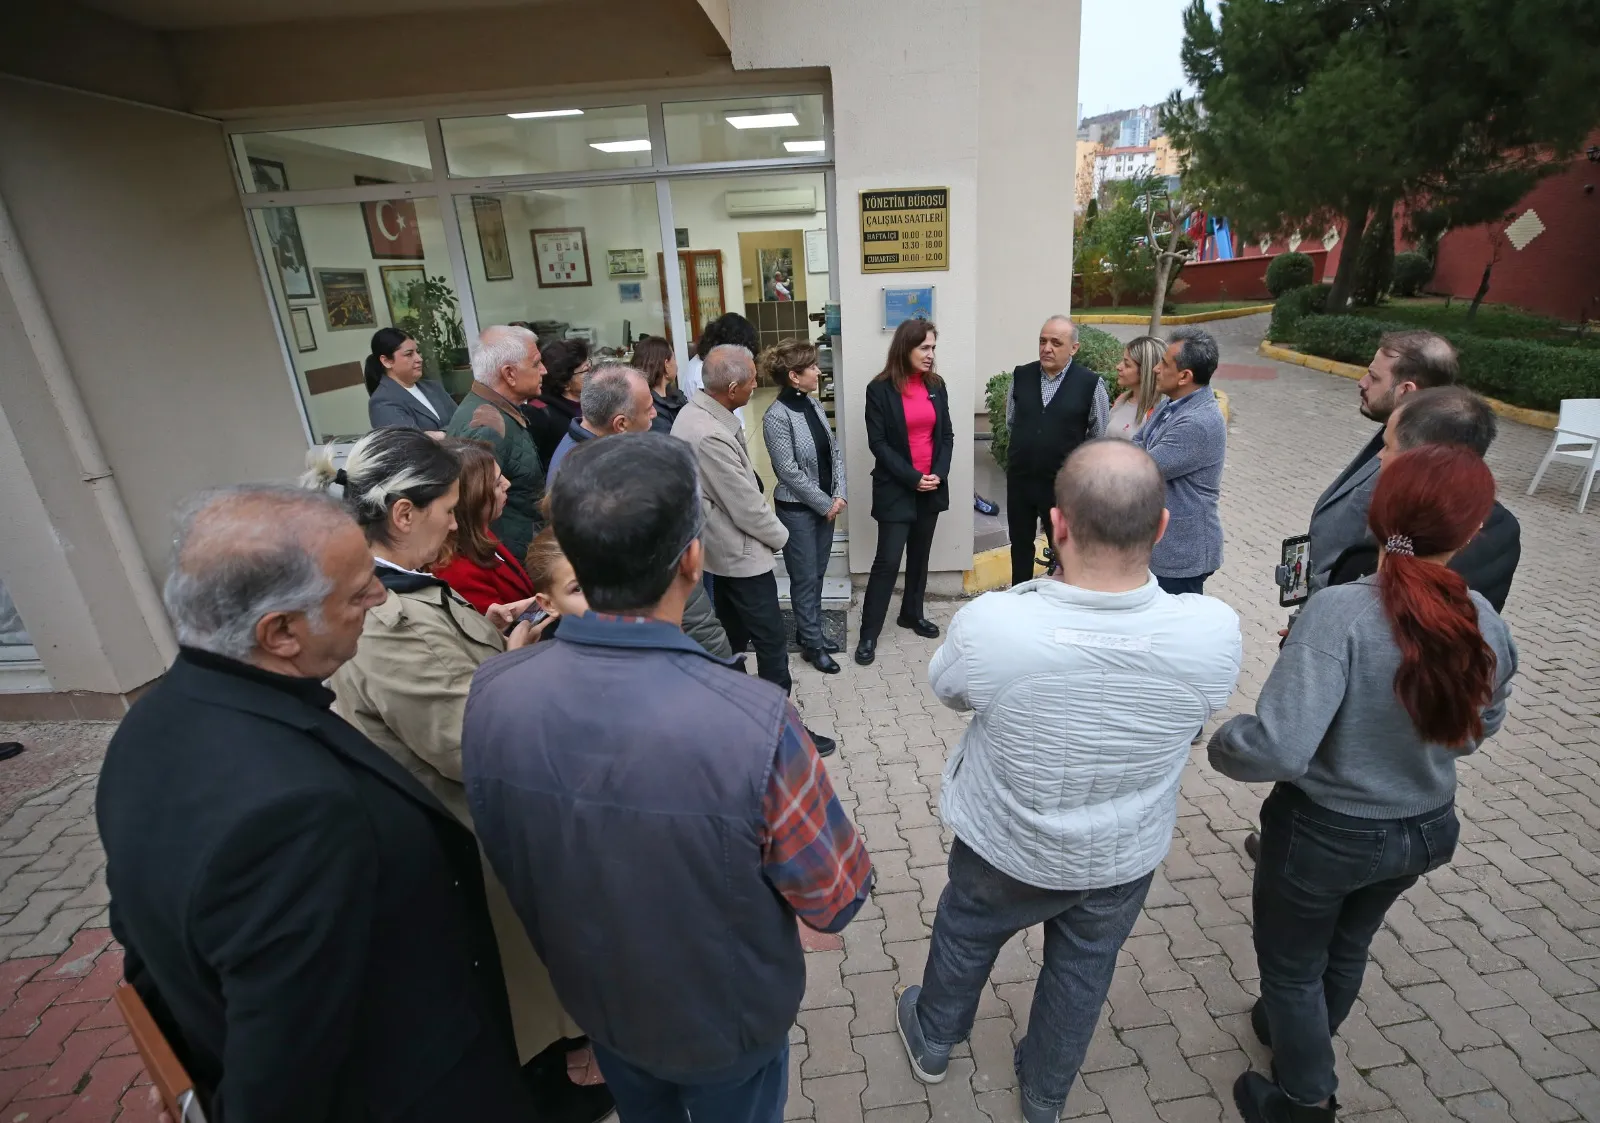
point(406, 689)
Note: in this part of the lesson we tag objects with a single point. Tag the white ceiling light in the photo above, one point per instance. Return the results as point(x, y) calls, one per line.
point(781, 119)
point(621, 145)
point(805, 146)
point(545, 113)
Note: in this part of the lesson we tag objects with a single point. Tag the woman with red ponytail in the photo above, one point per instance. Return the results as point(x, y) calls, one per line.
point(1382, 685)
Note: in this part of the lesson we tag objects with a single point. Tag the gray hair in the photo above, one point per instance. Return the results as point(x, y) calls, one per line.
point(1448, 415)
point(384, 467)
point(1058, 318)
point(244, 552)
point(608, 391)
point(1111, 494)
point(501, 345)
point(1197, 352)
point(727, 365)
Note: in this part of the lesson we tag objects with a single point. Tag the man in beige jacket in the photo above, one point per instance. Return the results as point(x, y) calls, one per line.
point(742, 534)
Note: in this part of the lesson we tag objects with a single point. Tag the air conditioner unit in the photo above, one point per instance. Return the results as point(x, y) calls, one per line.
point(772, 200)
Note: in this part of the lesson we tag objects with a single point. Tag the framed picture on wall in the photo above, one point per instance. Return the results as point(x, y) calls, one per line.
point(300, 325)
point(490, 219)
point(681, 236)
point(630, 292)
point(397, 282)
point(561, 257)
point(346, 299)
point(817, 251)
point(625, 263)
point(283, 232)
point(392, 230)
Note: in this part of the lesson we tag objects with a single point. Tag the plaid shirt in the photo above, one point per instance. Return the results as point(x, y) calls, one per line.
point(811, 854)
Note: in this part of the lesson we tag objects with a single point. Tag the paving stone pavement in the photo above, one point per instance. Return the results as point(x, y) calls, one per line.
point(1482, 1003)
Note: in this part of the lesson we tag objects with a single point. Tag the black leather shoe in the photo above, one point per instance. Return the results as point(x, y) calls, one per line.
point(866, 652)
point(825, 745)
point(1259, 1100)
point(1252, 846)
point(924, 627)
point(822, 661)
point(830, 647)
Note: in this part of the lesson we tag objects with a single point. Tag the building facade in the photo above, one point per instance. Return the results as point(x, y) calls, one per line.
point(205, 212)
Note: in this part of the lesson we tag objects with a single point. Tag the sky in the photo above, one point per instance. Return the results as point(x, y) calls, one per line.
point(1129, 53)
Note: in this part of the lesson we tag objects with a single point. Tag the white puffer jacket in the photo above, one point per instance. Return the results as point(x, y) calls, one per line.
point(1084, 705)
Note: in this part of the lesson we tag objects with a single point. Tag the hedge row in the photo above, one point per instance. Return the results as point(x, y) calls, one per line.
point(1098, 350)
point(1517, 371)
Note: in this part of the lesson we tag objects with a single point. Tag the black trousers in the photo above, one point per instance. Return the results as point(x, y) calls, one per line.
point(748, 610)
point(913, 540)
point(1028, 504)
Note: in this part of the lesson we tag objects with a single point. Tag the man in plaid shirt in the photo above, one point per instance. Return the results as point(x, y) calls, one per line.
point(659, 819)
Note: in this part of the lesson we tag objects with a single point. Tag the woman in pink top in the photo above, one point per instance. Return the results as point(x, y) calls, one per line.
point(912, 441)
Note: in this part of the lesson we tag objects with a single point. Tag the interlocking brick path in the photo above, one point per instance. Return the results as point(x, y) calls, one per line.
point(1482, 1003)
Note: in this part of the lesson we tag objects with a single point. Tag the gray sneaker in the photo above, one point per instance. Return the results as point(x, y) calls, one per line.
point(1032, 1112)
point(928, 1062)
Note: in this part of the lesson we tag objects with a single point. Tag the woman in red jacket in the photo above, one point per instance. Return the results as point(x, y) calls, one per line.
point(475, 563)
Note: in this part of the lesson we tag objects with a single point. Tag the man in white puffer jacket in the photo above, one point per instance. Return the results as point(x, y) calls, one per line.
point(1086, 693)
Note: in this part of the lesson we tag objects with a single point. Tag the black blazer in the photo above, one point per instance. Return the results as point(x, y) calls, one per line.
point(306, 922)
point(392, 406)
point(894, 480)
point(1488, 562)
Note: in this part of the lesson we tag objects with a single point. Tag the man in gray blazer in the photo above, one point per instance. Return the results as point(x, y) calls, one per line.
point(1188, 439)
point(1406, 361)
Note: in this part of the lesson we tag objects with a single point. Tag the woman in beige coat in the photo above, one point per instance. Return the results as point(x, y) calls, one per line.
point(406, 689)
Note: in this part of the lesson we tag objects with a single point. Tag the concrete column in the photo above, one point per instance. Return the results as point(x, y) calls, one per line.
point(973, 95)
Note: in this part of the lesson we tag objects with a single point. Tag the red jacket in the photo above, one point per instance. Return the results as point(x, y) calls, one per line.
point(481, 586)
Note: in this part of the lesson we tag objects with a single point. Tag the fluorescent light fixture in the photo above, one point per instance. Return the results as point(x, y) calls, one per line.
point(621, 145)
point(782, 119)
point(805, 146)
point(545, 113)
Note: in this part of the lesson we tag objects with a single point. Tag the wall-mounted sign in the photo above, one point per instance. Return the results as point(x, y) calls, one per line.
point(905, 231)
point(900, 305)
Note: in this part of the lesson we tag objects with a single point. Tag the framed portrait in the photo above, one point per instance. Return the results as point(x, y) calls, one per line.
point(630, 292)
point(397, 282)
point(300, 327)
point(561, 257)
point(777, 274)
point(625, 263)
point(283, 232)
point(490, 218)
point(346, 299)
point(392, 230)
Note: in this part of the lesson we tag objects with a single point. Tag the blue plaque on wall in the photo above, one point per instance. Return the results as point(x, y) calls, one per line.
point(900, 305)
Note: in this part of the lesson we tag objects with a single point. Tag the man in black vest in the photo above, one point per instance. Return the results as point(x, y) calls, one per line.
point(659, 819)
point(1054, 406)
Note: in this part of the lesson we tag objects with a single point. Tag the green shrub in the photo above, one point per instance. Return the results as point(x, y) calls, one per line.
point(1098, 350)
point(1292, 305)
point(1290, 271)
point(1521, 372)
point(1412, 270)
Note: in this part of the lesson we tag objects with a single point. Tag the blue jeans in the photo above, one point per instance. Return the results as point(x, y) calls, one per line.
point(750, 1097)
point(1323, 884)
point(805, 557)
point(979, 910)
point(1176, 585)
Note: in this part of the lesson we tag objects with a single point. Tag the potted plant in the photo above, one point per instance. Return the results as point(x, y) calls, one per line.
point(441, 336)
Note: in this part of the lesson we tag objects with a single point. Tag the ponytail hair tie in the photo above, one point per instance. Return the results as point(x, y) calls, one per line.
point(1400, 544)
point(341, 479)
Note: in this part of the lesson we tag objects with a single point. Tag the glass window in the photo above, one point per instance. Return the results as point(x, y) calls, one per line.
point(343, 156)
point(547, 140)
point(341, 271)
point(14, 642)
point(748, 128)
point(575, 262)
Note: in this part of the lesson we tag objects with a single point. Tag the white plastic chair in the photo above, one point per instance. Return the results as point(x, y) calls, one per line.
point(1577, 441)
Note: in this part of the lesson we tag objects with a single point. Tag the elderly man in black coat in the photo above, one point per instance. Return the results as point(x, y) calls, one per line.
point(305, 921)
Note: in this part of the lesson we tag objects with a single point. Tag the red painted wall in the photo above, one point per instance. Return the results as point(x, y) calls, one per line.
point(1203, 282)
point(1558, 273)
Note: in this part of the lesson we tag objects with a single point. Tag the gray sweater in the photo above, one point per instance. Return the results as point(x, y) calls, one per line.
point(1328, 720)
